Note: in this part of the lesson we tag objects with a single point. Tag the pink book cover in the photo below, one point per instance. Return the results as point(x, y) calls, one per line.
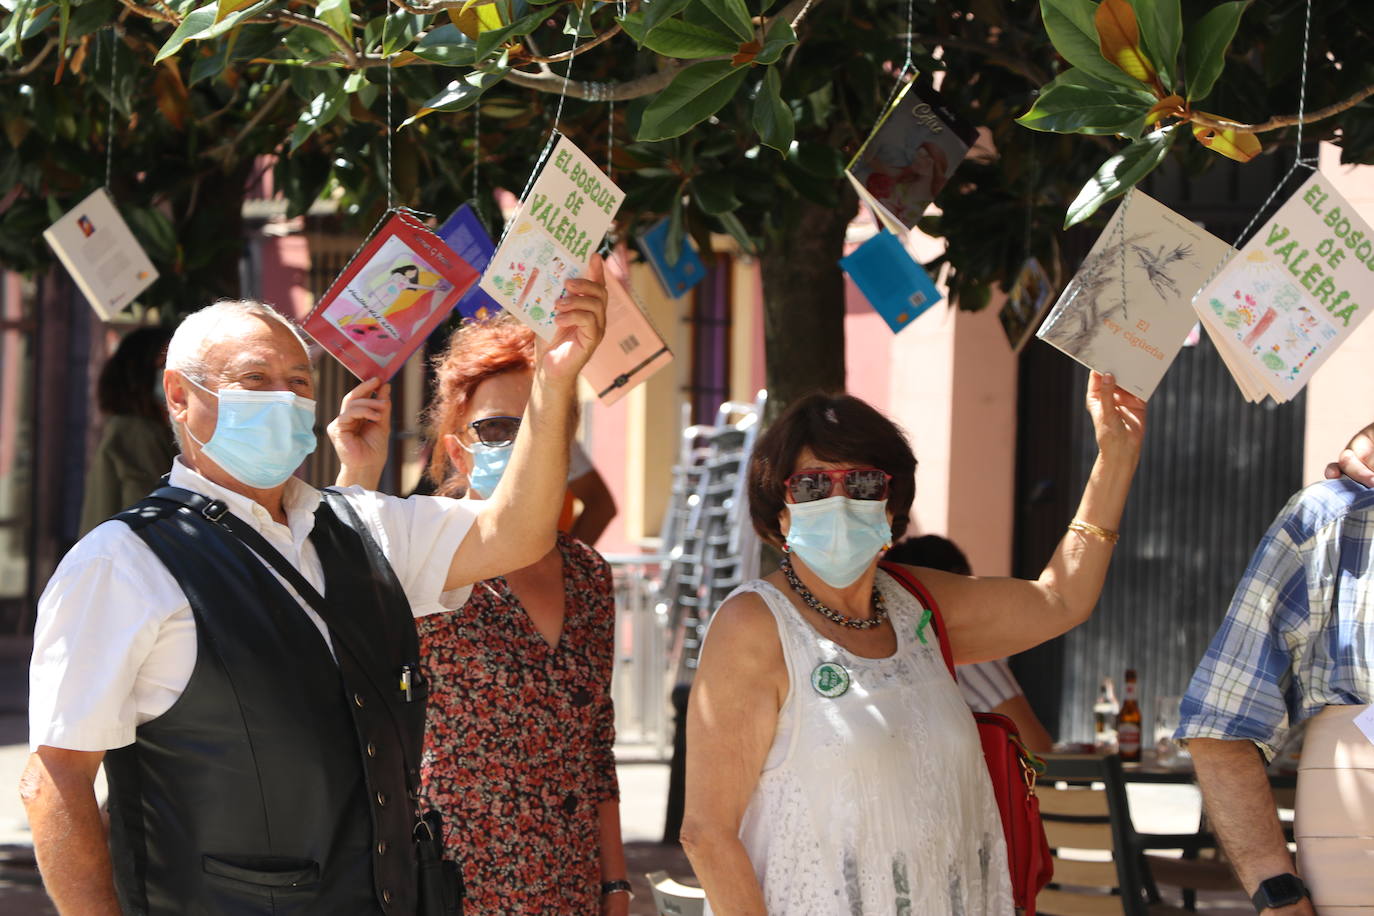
point(390, 297)
point(632, 349)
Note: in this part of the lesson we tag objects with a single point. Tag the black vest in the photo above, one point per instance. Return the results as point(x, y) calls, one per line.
point(280, 781)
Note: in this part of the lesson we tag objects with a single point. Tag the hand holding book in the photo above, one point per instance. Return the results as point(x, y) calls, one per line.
point(579, 324)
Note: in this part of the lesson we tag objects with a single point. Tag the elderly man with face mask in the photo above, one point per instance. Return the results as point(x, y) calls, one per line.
point(239, 648)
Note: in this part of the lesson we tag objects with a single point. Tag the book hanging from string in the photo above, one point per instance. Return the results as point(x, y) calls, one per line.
point(632, 349)
point(1026, 303)
point(898, 288)
point(104, 259)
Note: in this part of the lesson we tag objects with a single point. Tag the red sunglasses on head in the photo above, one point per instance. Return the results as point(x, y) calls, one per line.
point(810, 484)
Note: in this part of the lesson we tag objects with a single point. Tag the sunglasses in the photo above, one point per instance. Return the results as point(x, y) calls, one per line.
point(498, 431)
point(812, 484)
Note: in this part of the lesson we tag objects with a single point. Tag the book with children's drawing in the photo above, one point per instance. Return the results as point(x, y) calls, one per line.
point(911, 154)
point(394, 292)
point(1126, 311)
point(559, 226)
point(1293, 294)
point(632, 348)
point(466, 235)
point(104, 259)
point(898, 288)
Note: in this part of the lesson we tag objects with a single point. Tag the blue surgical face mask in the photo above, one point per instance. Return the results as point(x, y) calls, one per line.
point(260, 437)
point(838, 537)
point(489, 462)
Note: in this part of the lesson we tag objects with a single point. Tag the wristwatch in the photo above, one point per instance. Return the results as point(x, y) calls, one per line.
point(612, 887)
point(1280, 890)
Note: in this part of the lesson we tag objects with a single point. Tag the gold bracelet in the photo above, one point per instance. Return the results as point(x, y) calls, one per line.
point(1082, 527)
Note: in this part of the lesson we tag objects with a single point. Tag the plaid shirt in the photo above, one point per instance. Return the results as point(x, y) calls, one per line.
point(1299, 634)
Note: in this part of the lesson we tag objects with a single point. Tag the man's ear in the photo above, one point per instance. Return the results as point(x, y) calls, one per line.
point(175, 388)
point(457, 455)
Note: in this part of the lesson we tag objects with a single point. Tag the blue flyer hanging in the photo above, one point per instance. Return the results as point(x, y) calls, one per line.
point(679, 277)
point(897, 287)
point(464, 233)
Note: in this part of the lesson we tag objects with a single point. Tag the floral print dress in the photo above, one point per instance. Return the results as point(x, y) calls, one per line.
point(519, 744)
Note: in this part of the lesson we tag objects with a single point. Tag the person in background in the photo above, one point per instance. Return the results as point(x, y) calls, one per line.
point(987, 686)
point(832, 765)
point(585, 484)
point(136, 445)
point(519, 750)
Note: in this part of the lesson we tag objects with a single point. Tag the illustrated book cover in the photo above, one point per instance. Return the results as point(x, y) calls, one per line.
point(559, 226)
point(1026, 304)
point(1292, 294)
point(911, 154)
point(105, 260)
point(632, 349)
point(1127, 309)
point(677, 276)
point(898, 288)
point(395, 291)
point(468, 238)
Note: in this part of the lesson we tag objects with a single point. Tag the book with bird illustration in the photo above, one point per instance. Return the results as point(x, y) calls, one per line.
point(1127, 310)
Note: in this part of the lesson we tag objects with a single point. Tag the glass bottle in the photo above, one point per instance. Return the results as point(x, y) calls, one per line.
point(1128, 722)
point(1104, 718)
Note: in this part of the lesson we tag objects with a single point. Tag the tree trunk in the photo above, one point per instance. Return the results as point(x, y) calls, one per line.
point(803, 304)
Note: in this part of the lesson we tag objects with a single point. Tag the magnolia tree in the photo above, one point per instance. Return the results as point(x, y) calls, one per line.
point(727, 116)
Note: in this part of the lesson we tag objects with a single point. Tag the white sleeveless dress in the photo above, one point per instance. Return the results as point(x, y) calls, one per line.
point(876, 801)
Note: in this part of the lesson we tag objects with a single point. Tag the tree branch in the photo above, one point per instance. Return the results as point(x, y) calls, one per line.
point(600, 92)
point(350, 53)
point(32, 64)
point(1280, 121)
point(586, 46)
point(425, 9)
point(150, 13)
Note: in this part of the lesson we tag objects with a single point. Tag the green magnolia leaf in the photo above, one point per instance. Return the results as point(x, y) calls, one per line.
point(1070, 26)
point(772, 116)
point(579, 21)
point(677, 234)
point(695, 94)
point(308, 44)
point(209, 66)
point(1077, 103)
point(633, 24)
point(446, 45)
point(322, 109)
point(1204, 52)
point(780, 37)
point(714, 193)
point(153, 229)
point(401, 29)
point(1121, 173)
point(819, 160)
point(731, 224)
point(676, 38)
point(337, 15)
point(734, 14)
point(490, 41)
point(200, 25)
point(461, 93)
point(1161, 29)
point(660, 11)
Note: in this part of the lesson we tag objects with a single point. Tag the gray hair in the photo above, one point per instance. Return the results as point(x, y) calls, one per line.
point(203, 328)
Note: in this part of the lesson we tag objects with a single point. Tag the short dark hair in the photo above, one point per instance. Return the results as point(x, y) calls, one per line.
point(838, 428)
point(932, 552)
point(129, 380)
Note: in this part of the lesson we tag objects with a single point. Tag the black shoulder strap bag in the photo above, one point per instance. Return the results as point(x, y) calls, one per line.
point(439, 881)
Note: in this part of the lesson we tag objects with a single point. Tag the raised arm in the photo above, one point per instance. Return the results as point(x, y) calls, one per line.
point(991, 618)
point(732, 718)
point(69, 841)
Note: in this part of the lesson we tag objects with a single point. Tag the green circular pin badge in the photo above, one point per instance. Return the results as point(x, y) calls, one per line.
point(830, 680)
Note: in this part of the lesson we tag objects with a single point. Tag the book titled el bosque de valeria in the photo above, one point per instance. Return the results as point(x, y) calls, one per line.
point(559, 226)
point(394, 292)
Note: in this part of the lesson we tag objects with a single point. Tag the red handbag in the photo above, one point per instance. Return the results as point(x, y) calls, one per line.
point(1013, 770)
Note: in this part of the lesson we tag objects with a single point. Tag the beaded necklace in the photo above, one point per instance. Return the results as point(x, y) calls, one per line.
point(811, 601)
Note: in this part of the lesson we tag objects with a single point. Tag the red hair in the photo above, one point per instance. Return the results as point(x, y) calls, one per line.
point(476, 352)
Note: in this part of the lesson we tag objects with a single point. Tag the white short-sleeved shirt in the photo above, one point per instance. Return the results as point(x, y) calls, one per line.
point(115, 640)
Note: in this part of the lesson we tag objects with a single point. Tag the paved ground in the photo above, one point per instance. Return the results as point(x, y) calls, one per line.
point(643, 786)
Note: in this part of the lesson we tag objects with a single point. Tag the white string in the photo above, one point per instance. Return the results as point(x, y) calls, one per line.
point(110, 120)
point(1302, 86)
point(907, 63)
point(476, 145)
point(386, 19)
point(1121, 241)
point(610, 137)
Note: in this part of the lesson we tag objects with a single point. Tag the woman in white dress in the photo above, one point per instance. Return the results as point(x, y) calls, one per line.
point(832, 765)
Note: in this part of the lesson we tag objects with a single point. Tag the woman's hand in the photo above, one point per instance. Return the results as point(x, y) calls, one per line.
point(1118, 417)
point(361, 432)
point(579, 325)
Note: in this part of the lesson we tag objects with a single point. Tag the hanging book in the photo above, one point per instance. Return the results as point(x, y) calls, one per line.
point(557, 229)
point(909, 157)
point(632, 349)
point(1293, 294)
point(395, 291)
point(897, 287)
point(1026, 303)
point(468, 238)
point(1126, 311)
point(679, 275)
point(104, 259)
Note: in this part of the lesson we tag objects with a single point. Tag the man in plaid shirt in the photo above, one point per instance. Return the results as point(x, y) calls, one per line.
point(1298, 638)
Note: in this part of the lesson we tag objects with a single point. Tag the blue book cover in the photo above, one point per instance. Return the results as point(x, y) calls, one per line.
point(464, 233)
point(676, 278)
point(891, 280)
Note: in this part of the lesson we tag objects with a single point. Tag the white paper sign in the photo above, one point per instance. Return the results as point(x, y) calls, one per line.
point(95, 245)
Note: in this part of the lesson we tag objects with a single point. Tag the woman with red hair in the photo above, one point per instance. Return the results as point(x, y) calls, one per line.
point(519, 745)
